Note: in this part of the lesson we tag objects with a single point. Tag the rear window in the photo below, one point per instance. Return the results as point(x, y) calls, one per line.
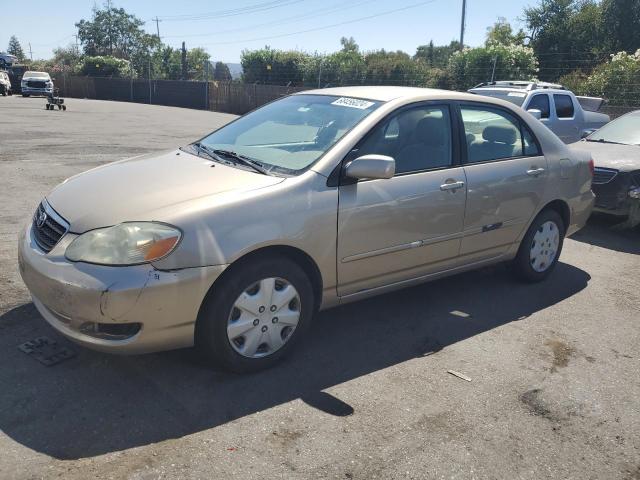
point(564, 106)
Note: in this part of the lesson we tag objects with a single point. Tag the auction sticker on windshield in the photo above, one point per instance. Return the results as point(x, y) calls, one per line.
point(353, 103)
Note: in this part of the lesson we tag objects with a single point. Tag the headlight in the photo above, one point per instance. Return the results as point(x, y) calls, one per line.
point(635, 193)
point(130, 243)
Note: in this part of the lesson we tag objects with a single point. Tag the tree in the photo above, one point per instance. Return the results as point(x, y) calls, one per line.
point(501, 33)
point(221, 72)
point(114, 32)
point(197, 60)
point(566, 34)
point(621, 23)
point(394, 68)
point(15, 48)
point(475, 65)
point(436, 56)
point(66, 57)
point(349, 45)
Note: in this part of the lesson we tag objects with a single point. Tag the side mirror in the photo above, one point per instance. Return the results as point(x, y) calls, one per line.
point(536, 113)
point(372, 167)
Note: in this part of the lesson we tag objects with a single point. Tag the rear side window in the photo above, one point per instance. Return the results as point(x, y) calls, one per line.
point(541, 102)
point(564, 106)
point(491, 134)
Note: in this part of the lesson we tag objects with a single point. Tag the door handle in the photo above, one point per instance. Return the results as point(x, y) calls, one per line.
point(534, 172)
point(451, 186)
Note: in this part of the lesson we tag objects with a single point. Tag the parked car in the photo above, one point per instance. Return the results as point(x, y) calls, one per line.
point(615, 149)
point(7, 59)
point(321, 198)
point(569, 117)
point(5, 84)
point(36, 83)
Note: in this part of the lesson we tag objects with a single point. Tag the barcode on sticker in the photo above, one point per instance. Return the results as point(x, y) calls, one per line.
point(353, 103)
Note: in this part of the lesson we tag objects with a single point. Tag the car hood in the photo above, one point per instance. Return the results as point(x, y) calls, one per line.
point(141, 188)
point(625, 158)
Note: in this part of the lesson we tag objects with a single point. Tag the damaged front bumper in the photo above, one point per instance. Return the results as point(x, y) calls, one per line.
point(134, 309)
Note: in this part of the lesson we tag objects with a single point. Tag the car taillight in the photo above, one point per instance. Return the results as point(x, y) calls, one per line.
point(592, 166)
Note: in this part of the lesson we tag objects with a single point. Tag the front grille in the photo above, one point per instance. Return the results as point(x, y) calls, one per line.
point(48, 227)
point(35, 84)
point(603, 175)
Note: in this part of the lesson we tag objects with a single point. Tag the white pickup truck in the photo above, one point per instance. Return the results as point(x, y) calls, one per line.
point(568, 116)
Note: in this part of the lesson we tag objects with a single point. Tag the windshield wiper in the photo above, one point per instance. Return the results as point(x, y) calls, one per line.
point(257, 166)
point(602, 140)
point(201, 148)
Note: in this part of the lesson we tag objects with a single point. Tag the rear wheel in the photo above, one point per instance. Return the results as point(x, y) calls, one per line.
point(255, 315)
point(540, 248)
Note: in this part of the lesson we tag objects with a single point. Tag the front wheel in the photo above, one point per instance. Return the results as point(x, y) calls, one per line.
point(25, 95)
point(255, 315)
point(540, 248)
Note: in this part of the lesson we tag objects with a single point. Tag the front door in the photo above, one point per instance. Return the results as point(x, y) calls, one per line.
point(506, 178)
point(410, 225)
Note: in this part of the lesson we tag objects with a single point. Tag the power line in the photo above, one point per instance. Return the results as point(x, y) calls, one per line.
point(314, 13)
point(255, 8)
point(324, 27)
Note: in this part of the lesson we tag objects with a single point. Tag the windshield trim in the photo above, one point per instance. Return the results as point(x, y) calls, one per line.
point(283, 171)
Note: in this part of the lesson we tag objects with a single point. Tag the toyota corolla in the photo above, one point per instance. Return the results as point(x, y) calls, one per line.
point(233, 242)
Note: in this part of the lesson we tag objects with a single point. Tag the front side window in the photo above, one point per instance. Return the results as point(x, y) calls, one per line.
point(492, 134)
point(541, 102)
point(418, 139)
point(289, 135)
point(564, 106)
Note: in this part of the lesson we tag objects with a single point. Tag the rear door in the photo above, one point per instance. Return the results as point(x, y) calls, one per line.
point(410, 225)
point(566, 126)
point(506, 177)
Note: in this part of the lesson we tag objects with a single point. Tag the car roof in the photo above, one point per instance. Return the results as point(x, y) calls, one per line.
point(388, 93)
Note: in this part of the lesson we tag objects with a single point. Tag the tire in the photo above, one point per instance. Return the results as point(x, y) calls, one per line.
point(219, 344)
point(25, 95)
point(540, 248)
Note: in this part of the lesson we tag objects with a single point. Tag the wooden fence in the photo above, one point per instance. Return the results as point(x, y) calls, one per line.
point(228, 97)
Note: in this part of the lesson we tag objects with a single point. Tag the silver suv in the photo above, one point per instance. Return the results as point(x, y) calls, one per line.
point(321, 198)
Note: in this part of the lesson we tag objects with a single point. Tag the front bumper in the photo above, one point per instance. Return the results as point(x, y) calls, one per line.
point(83, 301)
point(36, 91)
point(613, 197)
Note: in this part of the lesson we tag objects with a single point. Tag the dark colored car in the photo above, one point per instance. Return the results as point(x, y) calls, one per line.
point(615, 149)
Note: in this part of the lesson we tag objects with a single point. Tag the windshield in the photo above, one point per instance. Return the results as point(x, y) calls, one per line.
point(516, 98)
point(36, 74)
point(290, 134)
point(625, 129)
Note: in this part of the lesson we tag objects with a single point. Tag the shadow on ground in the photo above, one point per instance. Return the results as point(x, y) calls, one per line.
point(97, 403)
point(607, 231)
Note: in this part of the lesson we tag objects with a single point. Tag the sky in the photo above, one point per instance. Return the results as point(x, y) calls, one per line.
point(226, 28)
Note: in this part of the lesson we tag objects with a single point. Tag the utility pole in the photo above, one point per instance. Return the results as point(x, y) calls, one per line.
point(30, 52)
point(77, 47)
point(462, 24)
point(157, 20)
point(183, 59)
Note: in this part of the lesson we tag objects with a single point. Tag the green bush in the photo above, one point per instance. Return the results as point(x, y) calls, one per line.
point(616, 80)
point(475, 65)
point(104, 66)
